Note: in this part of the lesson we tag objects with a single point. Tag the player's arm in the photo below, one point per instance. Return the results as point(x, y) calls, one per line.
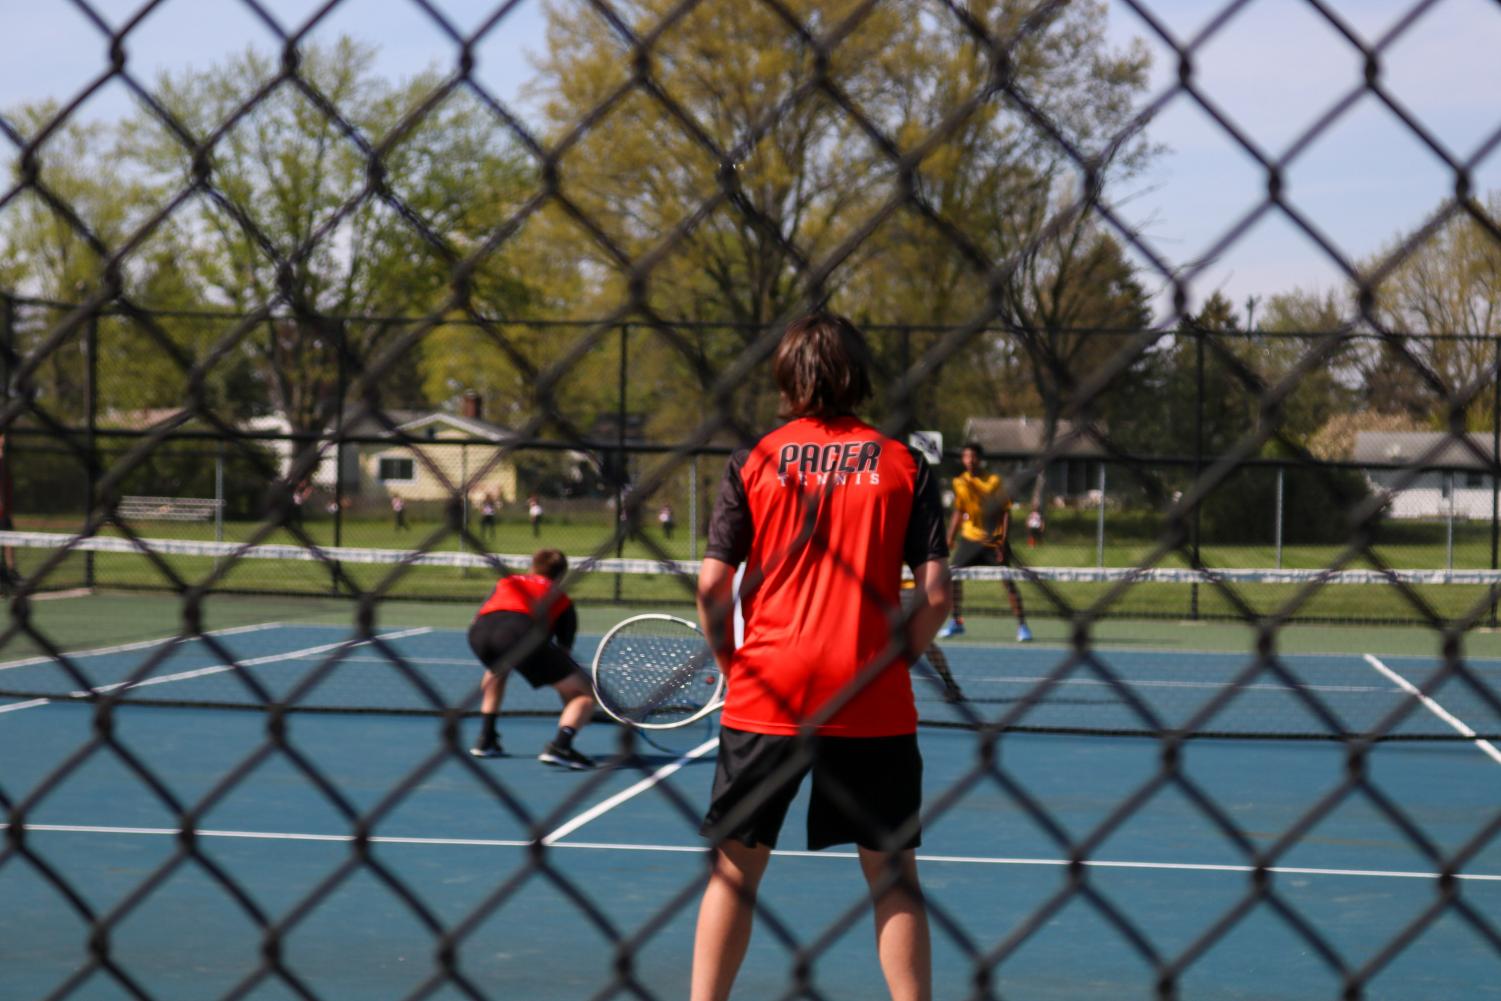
point(729, 543)
point(927, 553)
point(929, 615)
point(716, 608)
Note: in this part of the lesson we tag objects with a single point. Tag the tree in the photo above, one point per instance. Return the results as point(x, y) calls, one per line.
point(297, 211)
point(816, 206)
point(1448, 287)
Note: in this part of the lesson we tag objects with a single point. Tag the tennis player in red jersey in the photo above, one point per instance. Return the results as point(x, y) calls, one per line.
point(529, 624)
point(823, 512)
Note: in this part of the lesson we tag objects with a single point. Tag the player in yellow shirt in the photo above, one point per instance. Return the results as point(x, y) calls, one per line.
point(982, 519)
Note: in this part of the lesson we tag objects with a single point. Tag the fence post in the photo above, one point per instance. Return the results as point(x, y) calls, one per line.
point(1193, 588)
point(8, 575)
point(693, 507)
point(91, 418)
point(343, 388)
point(1495, 468)
point(1278, 529)
point(1099, 527)
point(620, 520)
point(1449, 528)
point(219, 492)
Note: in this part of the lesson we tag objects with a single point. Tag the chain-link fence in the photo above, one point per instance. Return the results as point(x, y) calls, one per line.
point(325, 331)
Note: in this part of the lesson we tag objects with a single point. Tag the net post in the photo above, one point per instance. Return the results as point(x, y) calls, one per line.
point(91, 426)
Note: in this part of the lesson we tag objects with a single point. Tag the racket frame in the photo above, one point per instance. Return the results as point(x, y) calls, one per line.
point(714, 703)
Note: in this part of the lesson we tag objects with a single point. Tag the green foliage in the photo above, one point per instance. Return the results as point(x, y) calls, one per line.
point(1316, 501)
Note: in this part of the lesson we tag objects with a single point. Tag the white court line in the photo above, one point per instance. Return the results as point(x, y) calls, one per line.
point(701, 849)
point(221, 668)
point(604, 806)
point(137, 645)
point(1486, 747)
point(1168, 683)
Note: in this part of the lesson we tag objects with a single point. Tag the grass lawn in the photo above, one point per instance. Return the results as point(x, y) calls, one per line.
point(583, 536)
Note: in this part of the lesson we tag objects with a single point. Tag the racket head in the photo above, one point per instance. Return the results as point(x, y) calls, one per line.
point(655, 672)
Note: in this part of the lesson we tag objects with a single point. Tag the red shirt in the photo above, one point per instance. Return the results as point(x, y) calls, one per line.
point(527, 593)
point(823, 513)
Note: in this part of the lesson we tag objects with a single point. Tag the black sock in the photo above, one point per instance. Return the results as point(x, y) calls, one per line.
point(487, 735)
point(565, 736)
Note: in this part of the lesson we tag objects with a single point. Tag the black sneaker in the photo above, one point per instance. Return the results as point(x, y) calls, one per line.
point(565, 757)
point(490, 751)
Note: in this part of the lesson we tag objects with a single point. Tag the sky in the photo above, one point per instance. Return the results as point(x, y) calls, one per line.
point(1274, 68)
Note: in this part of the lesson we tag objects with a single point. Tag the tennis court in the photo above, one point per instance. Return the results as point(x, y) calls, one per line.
point(509, 879)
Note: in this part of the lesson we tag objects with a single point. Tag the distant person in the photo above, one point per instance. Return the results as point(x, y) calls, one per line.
point(528, 625)
point(534, 513)
point(487, 517)
point(981, 522)
point(399, 512)
point(300, 495)
point(665, 519)
point(1035, 527)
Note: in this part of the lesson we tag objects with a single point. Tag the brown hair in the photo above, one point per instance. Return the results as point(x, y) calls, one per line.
point(820, 367)
point(550, 563)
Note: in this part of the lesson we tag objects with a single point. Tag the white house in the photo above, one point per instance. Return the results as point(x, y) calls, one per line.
point(1451, 475)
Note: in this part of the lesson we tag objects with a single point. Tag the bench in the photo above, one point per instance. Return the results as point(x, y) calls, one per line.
point(169, 508)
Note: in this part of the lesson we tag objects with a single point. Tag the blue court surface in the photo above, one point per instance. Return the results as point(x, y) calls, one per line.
point(535, 883)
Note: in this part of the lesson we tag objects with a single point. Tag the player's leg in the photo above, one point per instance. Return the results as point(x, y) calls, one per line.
point(486, 636)
point(967, 553)
point(940, 662)
point(725, 916)
point(492, 692)
point(1023, 634)
point(868, 791)
point(756, 776)
point(577, 694)
point(901, 917)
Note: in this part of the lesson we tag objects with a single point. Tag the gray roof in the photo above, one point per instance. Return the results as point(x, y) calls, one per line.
point(1024, 435)
point(1408, 447)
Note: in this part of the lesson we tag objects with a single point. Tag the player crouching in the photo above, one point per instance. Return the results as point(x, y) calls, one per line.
point(529, 624)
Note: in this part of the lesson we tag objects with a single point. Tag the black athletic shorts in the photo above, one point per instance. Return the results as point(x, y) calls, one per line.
point(969, 553)
point(866, 790)
point(501, 638)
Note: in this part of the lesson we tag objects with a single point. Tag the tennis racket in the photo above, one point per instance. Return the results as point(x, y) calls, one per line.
point(656, 672)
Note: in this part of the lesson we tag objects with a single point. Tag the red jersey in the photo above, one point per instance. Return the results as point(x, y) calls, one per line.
point(824, 512)
point(526, 593)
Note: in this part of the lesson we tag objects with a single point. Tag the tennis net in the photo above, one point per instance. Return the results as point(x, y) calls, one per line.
point(1001, 686)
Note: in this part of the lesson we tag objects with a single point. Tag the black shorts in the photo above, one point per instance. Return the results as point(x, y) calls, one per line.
point(866, 790)
point(508, 638)
point(969, 553)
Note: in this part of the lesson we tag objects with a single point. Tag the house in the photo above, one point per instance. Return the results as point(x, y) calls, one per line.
point(1074, 474)
point(424, 458)
point(1453, 475)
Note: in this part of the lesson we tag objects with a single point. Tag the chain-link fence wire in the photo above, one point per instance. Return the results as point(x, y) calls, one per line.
point(360, 378)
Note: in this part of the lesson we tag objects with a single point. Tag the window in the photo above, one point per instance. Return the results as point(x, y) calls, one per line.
point(396, 470)
point(1474, 479)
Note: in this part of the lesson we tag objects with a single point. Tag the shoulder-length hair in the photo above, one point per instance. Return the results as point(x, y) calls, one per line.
point(820, 367)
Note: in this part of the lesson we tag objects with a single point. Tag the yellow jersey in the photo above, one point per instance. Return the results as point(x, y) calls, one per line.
point(982, 502)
